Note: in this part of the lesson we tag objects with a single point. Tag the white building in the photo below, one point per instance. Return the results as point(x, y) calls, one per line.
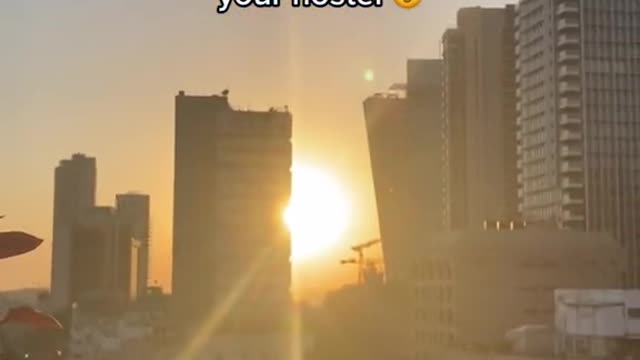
point(578, 74)
point(596, 323)
point(96, 338)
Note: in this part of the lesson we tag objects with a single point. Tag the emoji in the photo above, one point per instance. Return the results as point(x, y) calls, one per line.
point(408, 4)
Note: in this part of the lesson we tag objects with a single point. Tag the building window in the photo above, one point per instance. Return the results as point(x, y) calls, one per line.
point(633, 313)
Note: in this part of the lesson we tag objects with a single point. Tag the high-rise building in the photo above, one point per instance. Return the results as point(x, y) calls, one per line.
point(133, 211)
point(231, 248)
point(480, 118)
point(405, 147)
point(74, 192)
point(103, 267)
point(578, 70)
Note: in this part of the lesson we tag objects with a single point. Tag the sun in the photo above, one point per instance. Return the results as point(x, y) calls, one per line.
point(318, 212)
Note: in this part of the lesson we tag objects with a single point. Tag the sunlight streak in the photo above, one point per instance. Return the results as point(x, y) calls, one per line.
point(199, 341)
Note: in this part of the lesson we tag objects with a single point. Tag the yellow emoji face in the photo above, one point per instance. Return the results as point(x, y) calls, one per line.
point(408, 4)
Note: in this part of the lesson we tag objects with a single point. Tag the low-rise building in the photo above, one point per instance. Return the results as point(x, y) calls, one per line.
point(369, 320)
point(472, 287)
point(96, 337)
point(533, 340)
point(255, 346)
point(597, 323)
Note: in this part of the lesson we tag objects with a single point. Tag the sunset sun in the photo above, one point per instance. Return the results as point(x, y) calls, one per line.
point(318, 212)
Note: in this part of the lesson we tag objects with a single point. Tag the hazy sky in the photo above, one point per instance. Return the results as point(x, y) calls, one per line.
point(99, 77)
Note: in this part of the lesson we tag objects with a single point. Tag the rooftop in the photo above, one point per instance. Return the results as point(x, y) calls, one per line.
point(223, 97)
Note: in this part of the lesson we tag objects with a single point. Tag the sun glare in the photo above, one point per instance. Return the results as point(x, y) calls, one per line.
point(369, 75)
point(318, 212)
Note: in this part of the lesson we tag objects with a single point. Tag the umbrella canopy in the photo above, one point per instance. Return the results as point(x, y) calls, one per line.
point(25, 315)
point(16, 243)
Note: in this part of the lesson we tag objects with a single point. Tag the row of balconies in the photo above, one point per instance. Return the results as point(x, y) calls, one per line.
point(529, 141)
point(568, 24)
point(568, 103)
point(568, 55)
point(568, 8)
point(523, 192)
point(522, 176)
point(572, 184)
point(570, 135)
point(569, 71)
point(572, 216)
point(572, 200)
point(570, 151)
point(571, 166)
point(566, 40)
point(570, 119)
point(567, 87)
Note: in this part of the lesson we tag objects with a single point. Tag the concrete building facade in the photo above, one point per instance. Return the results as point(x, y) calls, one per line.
point(231, 248)
point(405, 148)
point(133, 211)
point(578, 72)
point(103, 267)
point(597, 323)
point(472, 287)
point(374, 319)
point(74, 192)
point(480, 118)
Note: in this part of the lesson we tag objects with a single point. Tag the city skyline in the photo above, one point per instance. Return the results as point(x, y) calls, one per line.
point(459, 181)
point(135, 107)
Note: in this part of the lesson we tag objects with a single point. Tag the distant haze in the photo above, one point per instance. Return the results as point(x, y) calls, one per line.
point(99, 77)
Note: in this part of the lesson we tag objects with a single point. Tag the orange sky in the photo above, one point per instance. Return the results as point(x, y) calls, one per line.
point(99, 77)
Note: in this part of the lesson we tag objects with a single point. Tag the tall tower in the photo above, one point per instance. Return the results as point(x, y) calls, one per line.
point(133, 211)
point(405, 147)
point(74, 192)
point(480, 119)
point(579, 122)
point(231, 248)
point(103, 267)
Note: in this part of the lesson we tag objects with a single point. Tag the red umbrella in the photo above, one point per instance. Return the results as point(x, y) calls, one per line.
point(16, 243)
point(28, 316)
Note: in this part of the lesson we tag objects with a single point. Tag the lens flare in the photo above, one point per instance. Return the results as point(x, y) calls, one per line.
point(369, 75)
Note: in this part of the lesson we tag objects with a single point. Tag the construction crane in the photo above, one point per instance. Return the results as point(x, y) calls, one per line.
point(360, 261)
